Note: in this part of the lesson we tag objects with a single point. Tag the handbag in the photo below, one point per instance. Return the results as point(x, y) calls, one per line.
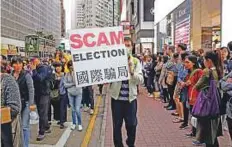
point(170, 78)
point(208, 101)
point(5, 115)
point(5, 111)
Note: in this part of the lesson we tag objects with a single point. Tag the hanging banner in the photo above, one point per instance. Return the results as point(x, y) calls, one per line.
point(99, 56)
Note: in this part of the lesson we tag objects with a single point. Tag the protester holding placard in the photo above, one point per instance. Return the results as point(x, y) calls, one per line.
point(124, 103)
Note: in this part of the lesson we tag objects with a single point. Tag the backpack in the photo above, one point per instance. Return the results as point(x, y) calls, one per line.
point(49, 77)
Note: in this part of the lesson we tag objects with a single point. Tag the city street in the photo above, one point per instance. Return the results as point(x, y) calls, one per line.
point(68, 138)
point(74, 71)
point(155, 128)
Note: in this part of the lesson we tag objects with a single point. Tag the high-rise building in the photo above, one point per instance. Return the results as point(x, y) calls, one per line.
point(94, 13)
point(22, 17)
point(62, 11)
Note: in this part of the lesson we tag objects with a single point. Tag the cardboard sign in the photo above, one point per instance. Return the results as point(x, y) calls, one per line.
point(99, 56)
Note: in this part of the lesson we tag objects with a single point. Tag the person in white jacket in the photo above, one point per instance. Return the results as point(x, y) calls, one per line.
point(124, 103)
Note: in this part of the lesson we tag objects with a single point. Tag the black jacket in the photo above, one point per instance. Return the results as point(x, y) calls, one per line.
point(42, 81)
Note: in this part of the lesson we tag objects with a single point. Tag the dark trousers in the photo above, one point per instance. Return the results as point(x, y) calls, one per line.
point(150, 84)
point(186, 112)
point(124, 110)
point(42, 103)
point(171, 89)
point(229, 122)
point(194, 130)
point(100, 88)
point(87, 97)
point(165, 95)
point(56, 110)
point(145, 81)
point(6, 135)
point(216, 144)
point(63, 108)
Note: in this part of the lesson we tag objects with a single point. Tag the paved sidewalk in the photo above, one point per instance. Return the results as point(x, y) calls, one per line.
point(155, 127)
point(67, 138)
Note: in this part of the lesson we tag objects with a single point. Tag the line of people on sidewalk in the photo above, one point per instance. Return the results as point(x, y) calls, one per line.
point(31, 87)
point(183, 79)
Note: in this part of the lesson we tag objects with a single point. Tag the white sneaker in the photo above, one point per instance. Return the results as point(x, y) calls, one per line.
point(73, 127)
point(150, 95)
point(91, 111)
point(80, 128)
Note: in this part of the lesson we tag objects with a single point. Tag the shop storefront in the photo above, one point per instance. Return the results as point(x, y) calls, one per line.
point(197, 23)
point(165, 23)
point(165, 32)
point(206, 24)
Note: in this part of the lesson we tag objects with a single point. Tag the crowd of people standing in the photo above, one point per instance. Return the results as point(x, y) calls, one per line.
point(196, 84)
point(184, 80)
point(39, 86)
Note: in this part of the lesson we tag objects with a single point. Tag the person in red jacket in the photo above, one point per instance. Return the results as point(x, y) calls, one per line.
point(195, 73)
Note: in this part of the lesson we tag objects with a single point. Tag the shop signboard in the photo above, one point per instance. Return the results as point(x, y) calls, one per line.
point(182, 23)
point(104, 50)
point(11, 50)
point(126, 27)
point(4, 49)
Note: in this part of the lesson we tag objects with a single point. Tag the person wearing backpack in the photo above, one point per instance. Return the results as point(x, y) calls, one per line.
point(43, 81)
point(26, 89)
point(226, 86)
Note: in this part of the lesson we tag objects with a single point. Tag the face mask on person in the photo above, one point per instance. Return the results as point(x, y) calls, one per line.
point(17, 67)
point(129, 51)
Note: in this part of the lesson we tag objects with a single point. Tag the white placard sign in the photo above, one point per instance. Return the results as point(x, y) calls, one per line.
point(99, 55)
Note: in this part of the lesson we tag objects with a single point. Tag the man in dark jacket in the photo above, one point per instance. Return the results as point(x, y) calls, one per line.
point(42, 85)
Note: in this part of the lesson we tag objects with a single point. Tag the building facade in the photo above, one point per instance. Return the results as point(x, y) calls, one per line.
point(197, 23)
point(21, 18)
point(140, 15)
point(94, 13)
point(63, 18)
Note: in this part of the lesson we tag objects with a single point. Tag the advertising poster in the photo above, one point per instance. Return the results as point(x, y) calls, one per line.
point(206, 38)
point(182, 23)
point(31, 44)
point(99, 56)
